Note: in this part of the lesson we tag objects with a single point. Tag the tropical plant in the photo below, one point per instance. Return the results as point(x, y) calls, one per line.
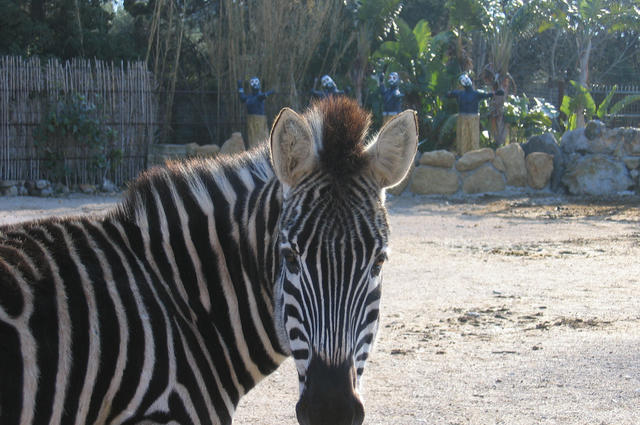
point(582, 103)
point(422, 61)
point(500, 25)
point(528, 117)
point(373, 20)
point(503, 24)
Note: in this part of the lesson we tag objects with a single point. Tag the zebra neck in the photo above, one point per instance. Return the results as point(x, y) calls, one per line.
point(209, 236)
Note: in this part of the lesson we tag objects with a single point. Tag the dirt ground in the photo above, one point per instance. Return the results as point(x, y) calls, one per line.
point(495, 311)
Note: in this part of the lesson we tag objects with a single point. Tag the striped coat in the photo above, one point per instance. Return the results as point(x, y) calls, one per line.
point(167, 310)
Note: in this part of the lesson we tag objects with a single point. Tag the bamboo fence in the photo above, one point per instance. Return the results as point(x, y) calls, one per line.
point(125, 93)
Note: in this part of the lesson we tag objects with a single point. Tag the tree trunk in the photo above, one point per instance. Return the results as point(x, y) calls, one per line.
point(361, 62)
point(499, 129)
point(583, 80)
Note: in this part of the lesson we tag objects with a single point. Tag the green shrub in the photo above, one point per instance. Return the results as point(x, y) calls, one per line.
point(73, 129)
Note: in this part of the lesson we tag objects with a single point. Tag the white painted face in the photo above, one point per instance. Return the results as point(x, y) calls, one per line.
point(393, 79)
point(465, 80)
point(327, 82)
point(254, 83)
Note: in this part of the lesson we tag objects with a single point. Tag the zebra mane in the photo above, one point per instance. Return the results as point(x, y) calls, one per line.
point(341, 126)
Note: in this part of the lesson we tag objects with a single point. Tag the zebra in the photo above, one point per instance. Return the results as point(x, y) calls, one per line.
point(205, 278)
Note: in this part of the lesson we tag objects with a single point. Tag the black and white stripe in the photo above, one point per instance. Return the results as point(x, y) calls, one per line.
point(175, 305)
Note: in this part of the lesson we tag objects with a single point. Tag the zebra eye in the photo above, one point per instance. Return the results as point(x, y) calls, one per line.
point(377, 266)
point(290, 260)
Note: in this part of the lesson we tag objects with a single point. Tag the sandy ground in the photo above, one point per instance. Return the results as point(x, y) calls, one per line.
point(516, 311)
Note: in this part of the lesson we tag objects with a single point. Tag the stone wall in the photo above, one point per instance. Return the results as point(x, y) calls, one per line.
point(594, 161)
point(480, 171)
point(601, 161)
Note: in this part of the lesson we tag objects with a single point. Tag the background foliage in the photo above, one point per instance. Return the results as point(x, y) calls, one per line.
point(197, 50)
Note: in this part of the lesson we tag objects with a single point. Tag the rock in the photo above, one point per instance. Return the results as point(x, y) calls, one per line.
point(596, 175)
point(22, 190)
point(190, 149)
point(208, 150)
point(108, 186)
point(168, 150)
point(539, 169)
point(473, 159)
point(233, 145)
point(575, 141)
point(400, 187)
point(428, 180)
point(440, 158)
point(484, 179)
point(547, 143)
point(47, 191)
point(160, 153)
point(60, 188)
point(5, 184)
point(631, 141)
point(86, 188)
point(515, 169)
point(9, 191)
point(498, 164)
point(594, 129)
point(632, 162)
point(42, 184)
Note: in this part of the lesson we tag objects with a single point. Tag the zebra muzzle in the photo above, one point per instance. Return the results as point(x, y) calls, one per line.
point(330, 396)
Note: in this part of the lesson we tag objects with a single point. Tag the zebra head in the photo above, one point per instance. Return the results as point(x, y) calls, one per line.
point(333, 241)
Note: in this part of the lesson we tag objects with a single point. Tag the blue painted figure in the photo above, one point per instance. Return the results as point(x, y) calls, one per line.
point(468, 122)
point(256, 119)
point(391, 96)
point(255, 100)
point(329, 88)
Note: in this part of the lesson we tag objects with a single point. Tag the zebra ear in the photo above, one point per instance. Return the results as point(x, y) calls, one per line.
point(395, 148)
point(292, 147)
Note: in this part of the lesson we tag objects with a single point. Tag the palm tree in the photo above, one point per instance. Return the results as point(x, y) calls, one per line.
point(500, 24)
point(504, 23)
point(587, 22)
point(373, 20)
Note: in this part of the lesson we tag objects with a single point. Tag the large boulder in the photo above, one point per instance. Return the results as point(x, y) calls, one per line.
point(539, 169)
point(160, 153)
point(594, 129)
point(483, 180)
point(512, 157)
point(631, 140)
point(233, 145)
point(597, 139)
point(427, 180)
point(596, 175)
point(207, 150)
point(576, 141)
point(190, 149)
point(473, 159)
point(632, 162)
point(547, 143)
point(440, 158)
point(400, 187)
